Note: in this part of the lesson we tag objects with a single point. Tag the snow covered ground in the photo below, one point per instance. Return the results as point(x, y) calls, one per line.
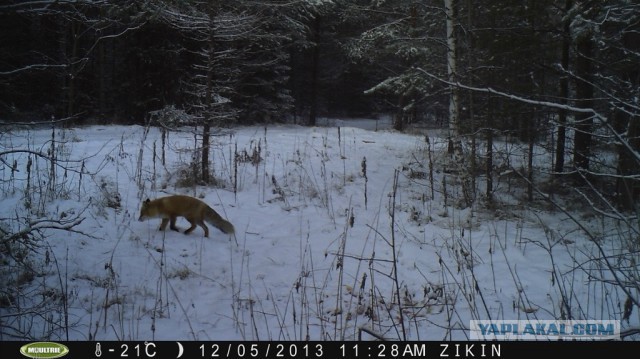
point(321, 250)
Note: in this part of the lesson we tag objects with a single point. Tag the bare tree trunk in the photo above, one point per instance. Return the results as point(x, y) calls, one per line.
point(313, 111)
point(489, 165)
point(531, 139)
point(455, 131)
point(584, 99)
point(564, 93)
point(71, 74)
point(399, 118)
point(628, 186)
point(472, 120)
point(206, 131)
point(455, 143)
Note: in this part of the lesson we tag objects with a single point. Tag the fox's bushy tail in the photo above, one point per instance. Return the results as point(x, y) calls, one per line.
point(217, 221)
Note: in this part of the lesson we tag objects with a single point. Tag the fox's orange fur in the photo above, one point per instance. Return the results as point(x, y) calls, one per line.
point(194, 210)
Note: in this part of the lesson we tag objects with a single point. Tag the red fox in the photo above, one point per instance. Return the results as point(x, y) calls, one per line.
point(194, 210)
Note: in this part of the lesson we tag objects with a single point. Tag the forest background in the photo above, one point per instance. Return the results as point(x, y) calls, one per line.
point(562, 72)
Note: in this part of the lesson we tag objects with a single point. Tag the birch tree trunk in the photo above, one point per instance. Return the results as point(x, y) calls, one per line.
point(458, 163)
point(455, 144)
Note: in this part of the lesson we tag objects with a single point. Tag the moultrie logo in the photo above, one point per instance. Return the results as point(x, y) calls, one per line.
point(41, 350)
point(544, 329)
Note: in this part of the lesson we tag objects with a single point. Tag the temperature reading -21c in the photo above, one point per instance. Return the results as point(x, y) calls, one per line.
point(148, 350)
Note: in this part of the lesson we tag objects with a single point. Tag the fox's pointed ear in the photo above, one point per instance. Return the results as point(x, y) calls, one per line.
point(147, 201)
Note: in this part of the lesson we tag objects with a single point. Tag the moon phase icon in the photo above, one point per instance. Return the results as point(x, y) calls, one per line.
point(180, 350)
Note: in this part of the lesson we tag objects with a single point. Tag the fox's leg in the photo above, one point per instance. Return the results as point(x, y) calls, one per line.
point(196, 223)
point(190, 229)
point(173, 224)
point(206, 229)
point(164, 223)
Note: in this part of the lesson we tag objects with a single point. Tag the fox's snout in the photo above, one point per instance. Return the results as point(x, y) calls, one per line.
point(143, 216)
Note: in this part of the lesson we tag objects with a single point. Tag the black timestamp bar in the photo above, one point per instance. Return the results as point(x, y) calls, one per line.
point(307, 349)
